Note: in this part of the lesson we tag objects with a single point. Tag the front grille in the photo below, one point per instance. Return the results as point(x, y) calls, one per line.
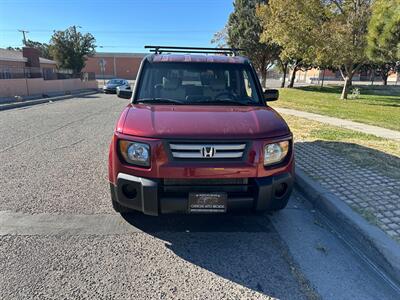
point(207, 151)
point(193, 182)
point(184, 186)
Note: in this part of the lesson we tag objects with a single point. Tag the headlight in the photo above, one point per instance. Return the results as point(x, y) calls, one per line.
point(275, 153)
point(135, 153)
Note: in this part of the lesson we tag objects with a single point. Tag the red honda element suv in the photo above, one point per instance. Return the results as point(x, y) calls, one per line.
point(198, 136)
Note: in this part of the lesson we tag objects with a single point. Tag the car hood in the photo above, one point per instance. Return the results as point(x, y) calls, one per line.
point(206, 122)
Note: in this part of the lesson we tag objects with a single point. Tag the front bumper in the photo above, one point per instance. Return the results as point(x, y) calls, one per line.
point(155, 196)
point(110, 90)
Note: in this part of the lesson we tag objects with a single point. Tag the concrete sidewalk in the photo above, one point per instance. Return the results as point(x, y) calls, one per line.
point(369, 129)
point(372, 194)
point(361, 202)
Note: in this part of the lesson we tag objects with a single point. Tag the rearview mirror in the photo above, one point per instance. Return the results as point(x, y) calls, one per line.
point(123, 93)
point(271, 95)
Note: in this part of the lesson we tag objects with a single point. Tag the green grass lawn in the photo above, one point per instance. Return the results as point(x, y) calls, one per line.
point(363, 149)
point(375, 105)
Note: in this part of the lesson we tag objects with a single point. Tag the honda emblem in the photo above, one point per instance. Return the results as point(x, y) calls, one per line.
point(208, 152)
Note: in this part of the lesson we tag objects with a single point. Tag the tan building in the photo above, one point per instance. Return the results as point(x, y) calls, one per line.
point(116, 65)
point(25, 63)
point(315, 75)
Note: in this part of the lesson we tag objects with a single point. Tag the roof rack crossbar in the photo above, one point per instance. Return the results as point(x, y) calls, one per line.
point(203, 50)
point(193, 51)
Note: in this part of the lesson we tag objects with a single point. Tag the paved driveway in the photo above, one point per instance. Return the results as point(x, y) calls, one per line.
point(59, 237)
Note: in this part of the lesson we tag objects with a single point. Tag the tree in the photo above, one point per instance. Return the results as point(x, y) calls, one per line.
point(13, 48)
point(293, 25)
point(220, 37)
point(244, 32)
point(383, 37)
point(44, 49)
point(71, 48)
point(384, 69)
point(345, 31)
point(283, 66)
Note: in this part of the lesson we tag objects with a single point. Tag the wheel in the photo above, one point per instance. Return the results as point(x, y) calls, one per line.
point(115, 204)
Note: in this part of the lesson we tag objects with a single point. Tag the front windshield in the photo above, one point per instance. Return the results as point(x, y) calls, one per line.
point(115, 81)
point(193, 83)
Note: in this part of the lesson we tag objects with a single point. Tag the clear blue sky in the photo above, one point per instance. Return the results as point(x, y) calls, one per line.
point(118, 26)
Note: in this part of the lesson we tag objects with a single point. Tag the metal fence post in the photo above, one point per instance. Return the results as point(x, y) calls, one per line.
point(26, 82)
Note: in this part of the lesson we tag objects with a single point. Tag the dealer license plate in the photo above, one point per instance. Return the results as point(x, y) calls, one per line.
point(207, 202)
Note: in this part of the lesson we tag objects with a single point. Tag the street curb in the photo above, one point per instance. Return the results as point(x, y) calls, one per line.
point(370, 240)
point(44, 100)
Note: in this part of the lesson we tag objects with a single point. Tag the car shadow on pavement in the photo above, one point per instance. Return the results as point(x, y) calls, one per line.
point(199, 223)
point(244, 249)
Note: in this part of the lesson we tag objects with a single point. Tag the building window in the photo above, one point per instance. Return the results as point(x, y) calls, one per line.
point(5, 73)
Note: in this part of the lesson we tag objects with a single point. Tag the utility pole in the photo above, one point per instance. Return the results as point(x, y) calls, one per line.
point(23, 33)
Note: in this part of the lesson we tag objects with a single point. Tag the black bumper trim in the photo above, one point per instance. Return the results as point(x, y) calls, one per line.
point(266, 187)
point(150, 198)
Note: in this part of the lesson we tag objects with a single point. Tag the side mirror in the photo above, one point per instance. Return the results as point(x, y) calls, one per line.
point(271, 95)
point(123, 93)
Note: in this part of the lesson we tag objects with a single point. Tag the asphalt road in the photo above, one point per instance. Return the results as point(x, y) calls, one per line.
point(60, 238)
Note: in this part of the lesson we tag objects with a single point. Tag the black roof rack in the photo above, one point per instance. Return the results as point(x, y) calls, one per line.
point(200, 50)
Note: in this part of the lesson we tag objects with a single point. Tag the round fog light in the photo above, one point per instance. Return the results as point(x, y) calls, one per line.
point(129, 191)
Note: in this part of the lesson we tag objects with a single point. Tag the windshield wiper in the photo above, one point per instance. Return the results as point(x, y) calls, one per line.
point(159, 100)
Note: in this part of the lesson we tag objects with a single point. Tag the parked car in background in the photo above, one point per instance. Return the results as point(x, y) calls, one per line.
point(200, 137)
point(124, 92)
point(111, 85)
